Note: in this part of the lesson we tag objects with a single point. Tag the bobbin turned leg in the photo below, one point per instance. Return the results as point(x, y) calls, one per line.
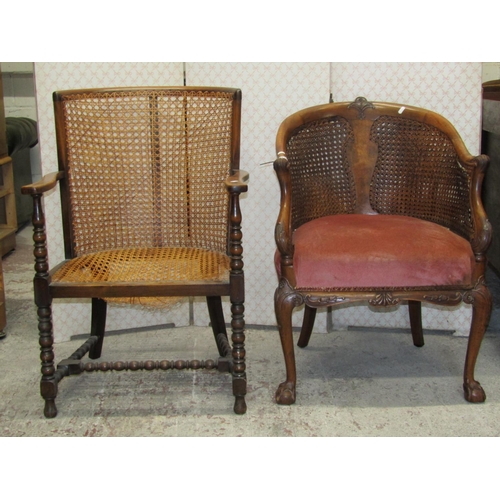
point(481, 301)
point(43, 301)
point(239, 375)
point(237, 297)
point(48, 384)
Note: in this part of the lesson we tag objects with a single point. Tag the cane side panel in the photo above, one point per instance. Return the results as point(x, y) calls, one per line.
point(321, 177)
point(418, 174)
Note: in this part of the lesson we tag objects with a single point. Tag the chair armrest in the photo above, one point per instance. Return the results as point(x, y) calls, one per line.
point(48, 182)
point(482, 227)
point(237, 181)
point(283, 228)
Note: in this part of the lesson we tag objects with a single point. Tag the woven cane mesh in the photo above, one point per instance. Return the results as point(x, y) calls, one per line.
point(418, 174)
point(146, 265)
point(321, 177)
point(145, 176)
point(146, 168)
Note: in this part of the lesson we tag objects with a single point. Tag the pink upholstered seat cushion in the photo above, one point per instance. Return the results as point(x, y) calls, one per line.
point(379, 251)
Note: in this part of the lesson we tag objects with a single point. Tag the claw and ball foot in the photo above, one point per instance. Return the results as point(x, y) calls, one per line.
point(481, 301)
point(473, 392)
point(285, 395)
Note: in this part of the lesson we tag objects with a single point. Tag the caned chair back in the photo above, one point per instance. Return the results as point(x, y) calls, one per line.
point(381, 159)
point(145, 167)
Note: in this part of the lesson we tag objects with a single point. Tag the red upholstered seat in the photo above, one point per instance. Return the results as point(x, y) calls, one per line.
point(358, 250)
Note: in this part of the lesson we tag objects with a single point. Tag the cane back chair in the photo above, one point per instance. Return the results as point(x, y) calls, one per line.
point(380, 202)
point(150, 183)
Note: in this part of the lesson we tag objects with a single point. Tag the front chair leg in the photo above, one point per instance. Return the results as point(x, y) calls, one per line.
point(237, 298)
point(285, 300)
point(43, 301)
point(481, 311)
point(239, 366)
point(48, 383)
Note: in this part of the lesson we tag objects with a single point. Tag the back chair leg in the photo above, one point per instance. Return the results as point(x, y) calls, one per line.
point(415, 309)
point(307, 326)
point(216, 314)
point(98, 326)
point(481, 311)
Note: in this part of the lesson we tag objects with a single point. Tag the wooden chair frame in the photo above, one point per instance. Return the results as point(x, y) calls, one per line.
point(232, 359)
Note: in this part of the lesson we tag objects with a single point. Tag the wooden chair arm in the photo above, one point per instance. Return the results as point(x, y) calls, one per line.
point(482, 227)
point(237, 181)
point(283, 229)
point(480, 240)
point(48, 182)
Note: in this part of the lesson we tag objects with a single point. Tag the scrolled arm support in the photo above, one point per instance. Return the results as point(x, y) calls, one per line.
point(283, 230)
point(482, 227)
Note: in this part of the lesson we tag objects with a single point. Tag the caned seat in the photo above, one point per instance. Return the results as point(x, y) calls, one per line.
point(150, 183)
point(380, 203)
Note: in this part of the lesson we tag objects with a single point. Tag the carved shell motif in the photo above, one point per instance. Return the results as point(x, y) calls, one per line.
point(361, 104)
point(384, 299)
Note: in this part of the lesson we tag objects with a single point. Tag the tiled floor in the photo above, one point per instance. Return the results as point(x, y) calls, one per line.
point(351, 383)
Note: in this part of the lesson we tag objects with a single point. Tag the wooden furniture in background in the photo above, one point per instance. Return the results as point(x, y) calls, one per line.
point(8, 221)
point(150, 184)
point(380, 203)
point(7, 233)
point(490, 145)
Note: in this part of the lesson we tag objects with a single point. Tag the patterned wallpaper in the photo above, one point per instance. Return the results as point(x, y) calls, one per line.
point(271, 91)
point(451, 89)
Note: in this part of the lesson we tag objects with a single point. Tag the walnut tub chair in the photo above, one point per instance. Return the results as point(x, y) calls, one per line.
point(380, 203)
point(149, 181)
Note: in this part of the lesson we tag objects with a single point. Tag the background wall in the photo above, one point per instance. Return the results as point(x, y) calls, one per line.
point(271, 91)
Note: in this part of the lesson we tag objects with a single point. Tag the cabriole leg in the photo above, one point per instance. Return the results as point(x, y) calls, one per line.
point(285, 300)
point(481, 310)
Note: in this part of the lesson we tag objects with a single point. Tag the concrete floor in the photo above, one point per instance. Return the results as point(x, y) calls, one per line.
point(351, 383)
